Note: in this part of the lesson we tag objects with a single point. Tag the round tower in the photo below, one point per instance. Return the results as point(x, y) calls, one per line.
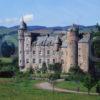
point(72, 47)
point(21, 31)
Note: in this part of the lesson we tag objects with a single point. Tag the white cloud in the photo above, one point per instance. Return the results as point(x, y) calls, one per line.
point(28, 17)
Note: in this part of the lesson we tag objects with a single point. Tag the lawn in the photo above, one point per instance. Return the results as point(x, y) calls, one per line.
point(71, 85)
point(26, 90)
point(6, 60)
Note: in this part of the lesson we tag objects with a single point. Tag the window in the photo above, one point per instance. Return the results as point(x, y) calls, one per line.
point(79, 55)
point(40, 52)
point(53, 60)
point(27, 45)
point(27, 52)
point(79, 48)
point(33, 52)
point(39, 60)
point(33, 60)
point(53, 52)
point(48, 60)
point(48, 51)
point(62, 61)
point(27, 60)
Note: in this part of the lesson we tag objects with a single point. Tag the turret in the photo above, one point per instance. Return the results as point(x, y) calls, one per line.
point(21, 31)
point(72, 46)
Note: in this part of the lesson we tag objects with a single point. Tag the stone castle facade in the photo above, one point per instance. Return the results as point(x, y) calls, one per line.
point(70, 49)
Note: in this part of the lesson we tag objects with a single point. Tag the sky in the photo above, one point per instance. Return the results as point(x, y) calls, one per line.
point(49, 12)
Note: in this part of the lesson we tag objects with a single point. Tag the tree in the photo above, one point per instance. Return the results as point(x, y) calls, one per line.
point(89, 82)
point(56, 67)
point(55, 71)
point(7, 49)
point(44, 67)
point(76, 74)
point(98, 87)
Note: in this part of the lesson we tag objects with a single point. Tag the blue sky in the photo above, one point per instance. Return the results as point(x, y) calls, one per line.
point(50, 12)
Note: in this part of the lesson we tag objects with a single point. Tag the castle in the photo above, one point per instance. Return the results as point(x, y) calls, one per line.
point(70, 49)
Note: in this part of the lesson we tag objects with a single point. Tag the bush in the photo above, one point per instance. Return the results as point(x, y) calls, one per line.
point(89, 82)
point(98, 87)
point(54, 76)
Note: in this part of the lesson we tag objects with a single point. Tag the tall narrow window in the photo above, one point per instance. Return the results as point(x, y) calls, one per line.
point(62, 61)
point(33, 60)
point(27, 60)
point(53, 60)
point(40, 52)
point(48, 60)
point(48, 52)
point(39, 60)
point(33, 52)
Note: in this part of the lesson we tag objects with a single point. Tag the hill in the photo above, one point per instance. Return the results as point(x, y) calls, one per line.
point(10, 33)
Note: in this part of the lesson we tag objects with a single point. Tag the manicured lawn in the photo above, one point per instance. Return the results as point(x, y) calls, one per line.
point(71, 85)
point(25, 90)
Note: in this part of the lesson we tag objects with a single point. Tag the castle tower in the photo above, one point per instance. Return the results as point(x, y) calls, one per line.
point(27, 50)
point(72, 47)
point(21, 31)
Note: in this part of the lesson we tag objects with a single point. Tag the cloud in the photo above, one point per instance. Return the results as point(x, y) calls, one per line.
point(27, 18)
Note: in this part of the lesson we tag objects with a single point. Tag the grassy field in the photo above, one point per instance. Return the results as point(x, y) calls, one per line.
point(5, 60)
point(73, 86)
point(11, 90)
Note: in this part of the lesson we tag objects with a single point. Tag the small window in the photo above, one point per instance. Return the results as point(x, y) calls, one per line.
point(27, 44)
point(27, 60)
point(53, 60)
point(79, 55)
point(40, 52)
point(33, 60)
point(48, 51)
point(39, 60)
point(79, 48)
point(53, 52)
point(33, 52)
point(48, 60)
point(62, 61)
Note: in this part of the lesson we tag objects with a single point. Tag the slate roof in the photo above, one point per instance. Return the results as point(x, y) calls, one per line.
point(45, 40)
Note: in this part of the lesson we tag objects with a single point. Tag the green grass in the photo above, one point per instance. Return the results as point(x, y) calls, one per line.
point(73, 86)
point(26, 90)
point(5, 60)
